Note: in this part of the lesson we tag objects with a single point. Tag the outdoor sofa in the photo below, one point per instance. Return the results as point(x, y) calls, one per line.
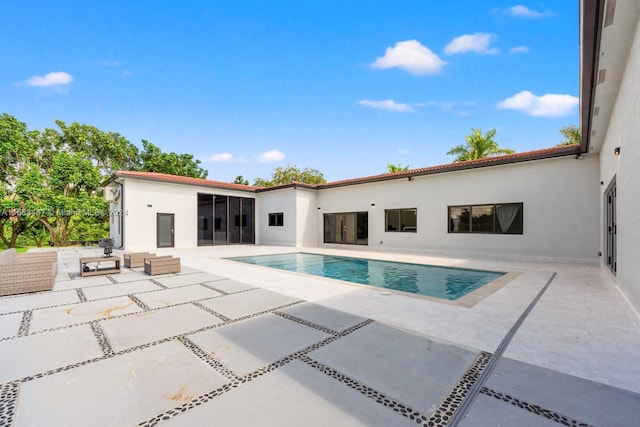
point(28, 272)
point(136, 259)
point(161, 265)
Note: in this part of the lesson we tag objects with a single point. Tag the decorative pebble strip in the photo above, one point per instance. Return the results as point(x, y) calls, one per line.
point(535, 409)
point(306, 323)
point(379, 397)
point(213, 288)
point(139, 302)
point(25, 323)
point(81, 296)
point(155, 282)
point(210, 311)
point(450, 404)
point(105, 345)
point(8, 397)
point(248, 377)
point(208, 359)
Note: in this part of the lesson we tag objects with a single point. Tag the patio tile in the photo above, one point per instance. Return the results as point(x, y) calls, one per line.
point(489, 411)
point(150, 326)
point(131, 276)
point(578, 398)
point(119, 289)
point(173, 296)
point(268, 401)
point(246, 303)
point(40, 299)
point(329, 318)
point(82, 282)
point(230, 286)
point(187, 279)
point(123, 390)
point(9, 324)
point(409, 368)
point(251, 344)
point(24, 356)
point(66, 315)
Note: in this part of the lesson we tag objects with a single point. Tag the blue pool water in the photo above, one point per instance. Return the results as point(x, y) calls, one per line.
point(440, 282)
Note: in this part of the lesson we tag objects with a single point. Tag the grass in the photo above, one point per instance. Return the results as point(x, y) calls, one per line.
point(19, 250)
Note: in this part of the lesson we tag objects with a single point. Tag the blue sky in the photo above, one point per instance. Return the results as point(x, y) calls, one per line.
point(343, 87)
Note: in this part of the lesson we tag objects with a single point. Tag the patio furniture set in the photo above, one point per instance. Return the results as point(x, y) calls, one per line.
point(34, 272)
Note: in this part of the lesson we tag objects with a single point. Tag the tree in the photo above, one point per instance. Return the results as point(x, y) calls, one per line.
point(478, 147)
point(240, 180)
point(396, 168)
point(289, 174)
point(572, 135)
point(152, 159)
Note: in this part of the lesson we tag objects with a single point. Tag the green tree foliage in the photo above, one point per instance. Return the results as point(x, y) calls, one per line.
point(572, 135)
point(49, 180)
point(478, 147)
point(289, 174)
point(240, 180)
point(396, 168)
point(152, 159)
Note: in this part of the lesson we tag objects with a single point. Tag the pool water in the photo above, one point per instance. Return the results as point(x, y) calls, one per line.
point(439, 282)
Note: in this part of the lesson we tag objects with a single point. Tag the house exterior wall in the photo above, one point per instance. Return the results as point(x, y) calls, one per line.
point(306, 217)
point(623, 132)
point(560, 199)
point(275, 201)
point(144, 199)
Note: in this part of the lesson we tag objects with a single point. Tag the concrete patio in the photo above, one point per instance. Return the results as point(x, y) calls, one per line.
point(224, 343)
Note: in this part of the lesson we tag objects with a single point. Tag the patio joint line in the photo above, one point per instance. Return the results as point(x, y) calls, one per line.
point(535, 409)
point(164, 416)
point(307, 323)
point(446, 409)
point(139, 302)
point(155, 282)
point(112, 279)
point(210, 311)
point(105, 345)
point(369, 392)
point(81, 296)
point(214, 363)
point(206, 285)
point(25, 323)
point(474, 391)
point(8, 396)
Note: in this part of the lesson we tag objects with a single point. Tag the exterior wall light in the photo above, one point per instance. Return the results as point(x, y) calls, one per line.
point(616, 151)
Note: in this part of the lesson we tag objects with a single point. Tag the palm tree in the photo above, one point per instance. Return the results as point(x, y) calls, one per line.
point(478, 147)
point(571, 135)
point(396, 168)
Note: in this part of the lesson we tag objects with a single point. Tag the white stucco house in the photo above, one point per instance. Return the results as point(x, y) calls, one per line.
point(575, 203)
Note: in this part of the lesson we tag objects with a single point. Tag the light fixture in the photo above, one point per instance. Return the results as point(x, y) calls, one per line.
point(373, 204)
point(410, 178)
point(616, 151)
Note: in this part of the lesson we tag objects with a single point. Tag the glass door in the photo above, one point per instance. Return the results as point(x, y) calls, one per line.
point(611, 227)
point(164, 230)
point(350, 228)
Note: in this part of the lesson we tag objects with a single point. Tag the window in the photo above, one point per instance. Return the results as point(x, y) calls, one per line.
point(276, 219)
point(403, 220)
point(503, 218)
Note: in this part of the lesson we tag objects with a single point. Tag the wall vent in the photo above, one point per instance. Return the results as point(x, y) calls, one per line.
point(609, 12)
point(593, 133)
point(596, 111)
point(602, 75)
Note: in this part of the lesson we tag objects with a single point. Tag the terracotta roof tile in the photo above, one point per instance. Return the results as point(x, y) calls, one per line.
point(155, 176)
point(544, 153)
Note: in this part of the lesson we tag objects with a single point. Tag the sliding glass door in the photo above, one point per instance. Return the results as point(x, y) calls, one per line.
point(351, 228)
point(225, 220)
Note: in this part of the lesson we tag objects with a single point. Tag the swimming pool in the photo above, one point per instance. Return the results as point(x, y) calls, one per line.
point(439, 282)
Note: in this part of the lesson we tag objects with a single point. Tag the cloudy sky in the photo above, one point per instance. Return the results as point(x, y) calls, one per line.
point(343, 87)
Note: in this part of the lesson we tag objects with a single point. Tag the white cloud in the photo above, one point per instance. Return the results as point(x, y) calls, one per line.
point(454, 107)
point(51, 79)
point(519, 49)
point(220, 157)
point(478, 43)
point(386, 105)
point(525, 12)
point(549, 105)
point(412, 56)
point(271, 156)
